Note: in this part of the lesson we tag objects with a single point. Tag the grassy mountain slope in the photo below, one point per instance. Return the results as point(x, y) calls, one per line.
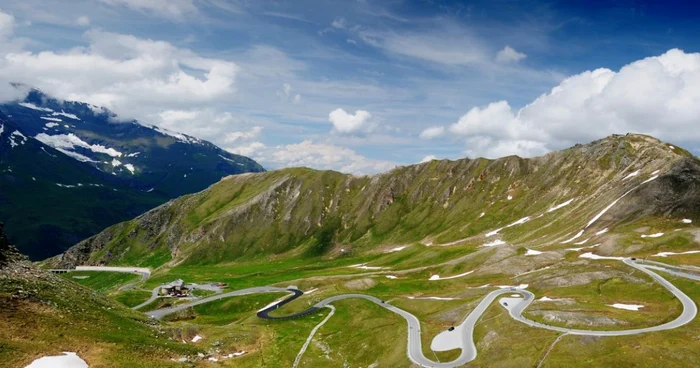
point(308, 213)
point(391, 235)
point(44, 314)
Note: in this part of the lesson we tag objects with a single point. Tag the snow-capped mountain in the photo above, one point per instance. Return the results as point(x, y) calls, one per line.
point(145, 157)
point(70, 169)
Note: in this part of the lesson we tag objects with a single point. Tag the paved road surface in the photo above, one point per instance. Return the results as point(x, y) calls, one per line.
point(466, 328)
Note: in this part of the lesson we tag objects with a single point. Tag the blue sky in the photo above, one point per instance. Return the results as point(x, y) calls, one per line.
point(362, 86)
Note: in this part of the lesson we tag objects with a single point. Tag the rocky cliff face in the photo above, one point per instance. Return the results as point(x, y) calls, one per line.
point(323, 213)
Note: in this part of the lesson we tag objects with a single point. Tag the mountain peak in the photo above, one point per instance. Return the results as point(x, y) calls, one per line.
point(73, 169)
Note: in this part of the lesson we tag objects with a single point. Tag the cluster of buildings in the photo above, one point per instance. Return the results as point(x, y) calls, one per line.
point(175, 288)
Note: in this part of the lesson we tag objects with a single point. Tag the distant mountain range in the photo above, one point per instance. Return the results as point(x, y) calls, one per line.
point(70, 169)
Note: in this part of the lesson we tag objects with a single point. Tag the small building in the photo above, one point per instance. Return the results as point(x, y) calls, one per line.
point(174, 288)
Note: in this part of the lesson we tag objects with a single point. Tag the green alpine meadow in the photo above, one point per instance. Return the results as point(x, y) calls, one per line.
point(349, 184)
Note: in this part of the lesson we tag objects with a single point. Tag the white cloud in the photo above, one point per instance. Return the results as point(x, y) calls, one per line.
point(447, 47)
point(207, 124)
point(7, 25)
point(130, 75)
point(175, 9)
point(287, 95)
point(346, 123)
point(233, 137)
point(83, 21)
point(428, 158)
point(658, 95)
point(508, 55)
point(320, 156)
point(432, 132)
point(339, 23)
point(248, 150)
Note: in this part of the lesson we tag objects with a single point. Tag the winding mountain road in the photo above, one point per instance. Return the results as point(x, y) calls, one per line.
point(465, 330)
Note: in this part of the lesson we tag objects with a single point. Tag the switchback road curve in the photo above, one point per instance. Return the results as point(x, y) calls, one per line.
point(466, 329)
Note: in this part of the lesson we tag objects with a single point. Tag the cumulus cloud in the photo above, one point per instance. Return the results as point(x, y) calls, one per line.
point(509, 55)
point(432, 132)
point(428, 158)
point(175, 9)
point(345, 123)
point(658, 95)
point(130, 75)
point(320, 156)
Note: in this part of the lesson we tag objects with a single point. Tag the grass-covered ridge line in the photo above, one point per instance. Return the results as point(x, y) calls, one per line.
point(308, 213)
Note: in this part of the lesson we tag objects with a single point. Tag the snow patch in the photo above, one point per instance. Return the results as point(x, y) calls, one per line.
point(510, 197)
point(67, 360)
point(65, 114)
point(17, 139)
point(75, 155)
point(590, 255)
point(578, 235)
point(631, 175)
point(228, 159)
point(650, 179)
point(69, 141)
point(521, 286)
point(601, 232)
point(666, 254)
point(578, 249)
point(392, 250)
point(519, 222)
point(51, 125)
point(32, 106)
point(179, 136)
point(437, 277)
point(196, 338)
point(130, 167)
point(532, 252)
point(363, 266)
point(116, 163)
point(494, 243)
point(391, 277)
point(631, 307)
point(687, 221)
point(606, 209)
point(657, 235)
point(51, 119)
point(560, 205)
